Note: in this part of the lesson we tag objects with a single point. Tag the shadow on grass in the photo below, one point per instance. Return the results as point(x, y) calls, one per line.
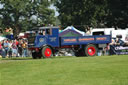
point(18, 58)
point(57, 57)
point(30, 58)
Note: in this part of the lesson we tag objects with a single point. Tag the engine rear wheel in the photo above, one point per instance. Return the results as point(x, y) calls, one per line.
point(80, 53)
point(47, 52)
point(91, 50)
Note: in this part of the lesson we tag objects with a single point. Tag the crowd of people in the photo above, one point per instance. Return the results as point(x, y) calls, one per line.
point(118, 41)
point(13, 48)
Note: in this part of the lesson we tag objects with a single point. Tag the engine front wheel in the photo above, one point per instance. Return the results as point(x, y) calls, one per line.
point(91, 50)
point(47, 52)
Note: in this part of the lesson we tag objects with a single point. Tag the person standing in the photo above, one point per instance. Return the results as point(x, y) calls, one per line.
point(17, 43)
point(3, 54)
point(20, 48)
point(14, 49)
point(6, 46)
point(10, 49)
point(88, 31)
point(0, 48)
point(24, 46)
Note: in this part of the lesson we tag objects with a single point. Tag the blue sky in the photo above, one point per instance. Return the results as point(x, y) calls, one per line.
point(0, 6)
point(53, 7)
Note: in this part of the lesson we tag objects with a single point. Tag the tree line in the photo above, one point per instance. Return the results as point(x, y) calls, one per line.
point(26, 14)
point(94, 13)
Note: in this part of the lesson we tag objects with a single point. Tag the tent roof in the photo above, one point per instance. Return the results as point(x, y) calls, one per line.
point(70, 31)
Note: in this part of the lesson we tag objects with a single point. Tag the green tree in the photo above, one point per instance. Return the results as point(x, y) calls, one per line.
point(24, 14)
point(94, 13)
point(81, 12)
point(118, 13)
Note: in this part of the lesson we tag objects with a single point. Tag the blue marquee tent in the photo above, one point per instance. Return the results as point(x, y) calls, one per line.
point(70, 31)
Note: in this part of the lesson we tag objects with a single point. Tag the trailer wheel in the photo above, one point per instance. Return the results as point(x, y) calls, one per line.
point(47, 52)
point(91, 50)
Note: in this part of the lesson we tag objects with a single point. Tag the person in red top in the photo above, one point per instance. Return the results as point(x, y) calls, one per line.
point(16, 42)
point(14, 49)
point(0, 45)
point(0, 48)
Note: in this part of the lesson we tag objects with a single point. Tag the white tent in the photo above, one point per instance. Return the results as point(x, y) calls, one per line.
point(107, 31)
point(2, 38)
point(123, 33)
point(73, 28)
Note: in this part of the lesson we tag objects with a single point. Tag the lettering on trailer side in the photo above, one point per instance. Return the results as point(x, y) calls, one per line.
point(86, 39)
point(70, 40)
point(101, 38)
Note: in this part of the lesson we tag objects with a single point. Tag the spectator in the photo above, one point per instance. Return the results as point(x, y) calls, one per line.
point(88, 31)
point(3, 54)
point(24, 46)
point(119, 42)
point(20, 47)
point(6, 46)
point(10, 49)
point(112, 42)
point(0, 48)
point(14, 49)
point(17, 43)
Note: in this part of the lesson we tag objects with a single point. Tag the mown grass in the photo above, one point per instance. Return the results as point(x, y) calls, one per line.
point(100, 70)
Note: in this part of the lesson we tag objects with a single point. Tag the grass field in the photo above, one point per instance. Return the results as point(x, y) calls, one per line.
point(100, 70)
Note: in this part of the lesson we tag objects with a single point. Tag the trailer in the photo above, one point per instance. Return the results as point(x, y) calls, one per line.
point(45, 42)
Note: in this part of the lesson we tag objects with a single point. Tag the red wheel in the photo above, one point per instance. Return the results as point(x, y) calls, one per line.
point(91, 50)
point(47, 52)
